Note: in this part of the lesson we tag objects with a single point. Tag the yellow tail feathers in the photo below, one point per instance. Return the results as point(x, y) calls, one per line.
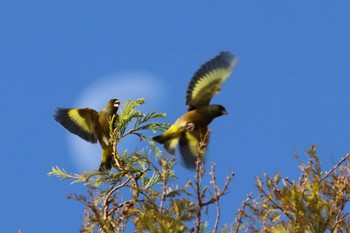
point(107, 159)
point(169, 143)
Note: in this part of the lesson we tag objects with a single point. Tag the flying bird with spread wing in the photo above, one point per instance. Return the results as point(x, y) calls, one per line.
point(190, 131)
point(92, 126)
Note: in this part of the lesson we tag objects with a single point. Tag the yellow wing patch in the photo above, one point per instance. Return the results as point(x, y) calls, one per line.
point(84, 118)
point(207, 87)
point(208, 80)
point(81, 122)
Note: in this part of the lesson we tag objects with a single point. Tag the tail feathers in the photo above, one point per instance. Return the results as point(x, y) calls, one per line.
point(105, 166)
point(107, 159)
point(160, 139)
point(169, 143)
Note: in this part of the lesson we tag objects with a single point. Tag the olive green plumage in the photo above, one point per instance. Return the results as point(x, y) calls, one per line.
point(92, 126)
point(190, 131)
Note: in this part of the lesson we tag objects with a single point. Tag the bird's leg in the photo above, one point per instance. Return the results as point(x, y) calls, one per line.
point(190, 126)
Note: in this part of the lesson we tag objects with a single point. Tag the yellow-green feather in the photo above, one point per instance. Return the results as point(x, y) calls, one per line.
point(169, 138)
point(84, 118)
point(208, 86)
point(189, 149)
point(170, 145)
point(207, 81)
point(80, 122)
point(107, 158)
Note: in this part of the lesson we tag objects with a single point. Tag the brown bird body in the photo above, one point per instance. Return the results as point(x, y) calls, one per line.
point(192, 120)
point(92, 126)
point(190, 131)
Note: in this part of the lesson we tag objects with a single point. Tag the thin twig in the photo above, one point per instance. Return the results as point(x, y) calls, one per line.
point(343, 219)
point(336, 166)
point(238, 220)
point(165, 184)
point(216, 196)
point(277, 205)
point(199, 175)
point(224, 190)
point(339, 221)
point(199, 165)
point(104, 226)
point(106, 202)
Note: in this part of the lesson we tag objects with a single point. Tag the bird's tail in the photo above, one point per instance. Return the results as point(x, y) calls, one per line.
point(160, 139)
point(107, 159)
point(170, 143)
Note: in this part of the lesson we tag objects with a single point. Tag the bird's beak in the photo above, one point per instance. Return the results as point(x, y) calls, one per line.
point(224, 112)
point(116, 104)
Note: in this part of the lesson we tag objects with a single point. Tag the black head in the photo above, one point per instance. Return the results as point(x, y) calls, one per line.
point(112, 105)
point(218, 110)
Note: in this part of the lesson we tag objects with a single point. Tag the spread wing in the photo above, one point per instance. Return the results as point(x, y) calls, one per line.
point(208, 79)
point(81, 122)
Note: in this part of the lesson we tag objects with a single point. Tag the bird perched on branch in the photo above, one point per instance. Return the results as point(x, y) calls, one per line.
point(190, 131)
point(92, 126)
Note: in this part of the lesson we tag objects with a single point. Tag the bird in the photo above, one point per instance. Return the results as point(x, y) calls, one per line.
point(92, 126)
point(190, 131)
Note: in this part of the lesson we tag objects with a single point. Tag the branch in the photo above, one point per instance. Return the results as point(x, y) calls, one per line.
point(276, 205)
point(339, 221)
point(336, 166)
point(165, 183)
point(216, 195)
point(227, 182)
point(106, 202)
point(238, 220)
point(199, 167)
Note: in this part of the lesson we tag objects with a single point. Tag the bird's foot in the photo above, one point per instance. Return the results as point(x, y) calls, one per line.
point(190, 126)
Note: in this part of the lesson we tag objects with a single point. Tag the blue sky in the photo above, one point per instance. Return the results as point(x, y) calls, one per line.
point(289, 90)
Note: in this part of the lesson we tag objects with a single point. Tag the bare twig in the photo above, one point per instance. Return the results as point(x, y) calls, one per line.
point(199, 175)
point(216, 196)
point(104, 226)
point(165, 184)
point(106, 200)
point(343, 219)
point(335, 166)
point(199, 167)
point(238, 220)
point(339, 221)
point(224, 190)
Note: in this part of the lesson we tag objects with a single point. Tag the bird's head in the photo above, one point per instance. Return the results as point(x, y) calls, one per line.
point(112, 105)
point(217, 110)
